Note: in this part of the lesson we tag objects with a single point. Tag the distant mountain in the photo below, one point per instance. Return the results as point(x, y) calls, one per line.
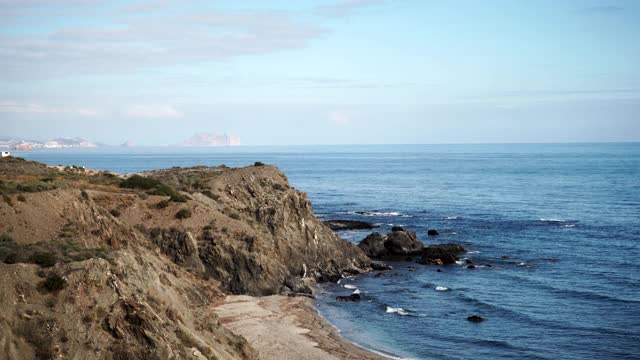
point(206, 139)
point(16, 143)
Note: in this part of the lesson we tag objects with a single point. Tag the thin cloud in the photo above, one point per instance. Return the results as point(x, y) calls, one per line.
point(152, 112)
point(339, 118)
point(345, 8)
point(152, 41)
point(35, 108)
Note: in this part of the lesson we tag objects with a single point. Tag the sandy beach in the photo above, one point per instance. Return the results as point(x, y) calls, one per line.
point(281, 327)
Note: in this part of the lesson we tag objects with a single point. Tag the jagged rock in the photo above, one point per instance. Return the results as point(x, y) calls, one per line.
point(441, 254)
point(297, 286)
point(403, 243)
point(395, 245)
point(433, 232)
point(338, 225)
point(350, 298)
point(397, 228)
point(373, 245)
point(376, 265)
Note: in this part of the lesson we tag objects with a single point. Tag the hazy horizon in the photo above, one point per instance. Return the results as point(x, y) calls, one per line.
point(321, 72)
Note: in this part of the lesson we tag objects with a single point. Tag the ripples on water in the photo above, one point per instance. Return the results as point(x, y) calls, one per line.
point(559, 225)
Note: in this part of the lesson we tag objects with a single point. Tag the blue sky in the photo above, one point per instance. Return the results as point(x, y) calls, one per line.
point(321, 72)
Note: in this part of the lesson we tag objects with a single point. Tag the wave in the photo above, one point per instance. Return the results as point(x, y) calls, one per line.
point(553, 220)
point(569, 226)
point(356, 291)
point(452, 218)
point(349, 286)
point(442, 288)
point(379, 213)
point(399, 311)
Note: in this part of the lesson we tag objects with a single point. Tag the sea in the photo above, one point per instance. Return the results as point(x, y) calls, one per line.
point(553, 232)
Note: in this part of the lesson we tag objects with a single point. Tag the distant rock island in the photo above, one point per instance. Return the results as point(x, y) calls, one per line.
point(206, 139)
point(66, 142)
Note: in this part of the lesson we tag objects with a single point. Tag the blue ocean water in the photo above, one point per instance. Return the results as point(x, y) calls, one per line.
point(559, 225)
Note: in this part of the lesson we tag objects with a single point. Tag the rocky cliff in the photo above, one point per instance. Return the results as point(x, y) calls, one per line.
point(94, 265)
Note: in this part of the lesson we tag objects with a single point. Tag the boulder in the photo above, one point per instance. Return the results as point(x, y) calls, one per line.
point(441, 254)
point(337, 225)
point(433, 232)
point(373, 245)
point(350, 298)
point(403, 243)
point(397, 228)
point(395, 245)
point(296, 286)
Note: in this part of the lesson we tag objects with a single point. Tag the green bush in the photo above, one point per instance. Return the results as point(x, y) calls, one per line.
point(183, 214)
point(44, 259)
point(6, 238)
point(258, 163)
point(53, 283)
point(278, 187)
point(211, 195)
point(162, 204)
point(22, 198)
point(115, 212)
point(235, 216)
point(84, 195)
point(34, 186)
point(179, 198)
point(140, 182)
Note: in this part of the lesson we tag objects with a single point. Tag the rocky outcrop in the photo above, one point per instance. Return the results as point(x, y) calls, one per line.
point(339, 225)
point(396, 244)
point(141, 284)
point(350, 298)
point(441, 254)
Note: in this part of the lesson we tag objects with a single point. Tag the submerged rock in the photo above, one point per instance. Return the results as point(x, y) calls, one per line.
point(350, 298)
point(433, 232)
point(441, 254)
point(337, 225)
point(475, 318)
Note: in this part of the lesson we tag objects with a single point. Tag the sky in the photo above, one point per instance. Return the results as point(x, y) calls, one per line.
point(295, 72)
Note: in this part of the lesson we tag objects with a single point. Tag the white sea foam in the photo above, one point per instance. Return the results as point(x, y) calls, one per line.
point(452, 217)
point(379, 213)
point(349, 286)
point(473, 252)
point(356, 291)
point(461, 262)
point(441, 288)
point(399, 311)
point(522, 264)
point(569, 226)
point(339, 281)
point(553, 220)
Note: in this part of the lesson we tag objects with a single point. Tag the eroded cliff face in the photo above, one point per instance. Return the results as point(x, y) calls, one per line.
point(89, 269)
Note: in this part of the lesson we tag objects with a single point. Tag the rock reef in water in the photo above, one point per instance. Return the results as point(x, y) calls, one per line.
point(339, 225)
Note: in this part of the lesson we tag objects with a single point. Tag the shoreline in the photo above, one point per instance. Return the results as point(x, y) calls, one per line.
point(283, 327)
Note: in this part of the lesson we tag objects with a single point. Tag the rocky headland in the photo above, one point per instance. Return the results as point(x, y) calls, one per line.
point(103, 266)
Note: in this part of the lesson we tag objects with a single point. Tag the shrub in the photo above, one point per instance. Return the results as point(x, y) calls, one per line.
point(278, 187)
point(162, 204)
point(179, 198)
point(44, 259)
point(211, 195)
point(7, 199)
point(53, 283)
point(6, 238)
point(115, 212)
point(235, 216)
point(35, 186)
point(183, 214)
point(140, 182)
point(258, 163)
point(22, 198)
point(84, 195)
